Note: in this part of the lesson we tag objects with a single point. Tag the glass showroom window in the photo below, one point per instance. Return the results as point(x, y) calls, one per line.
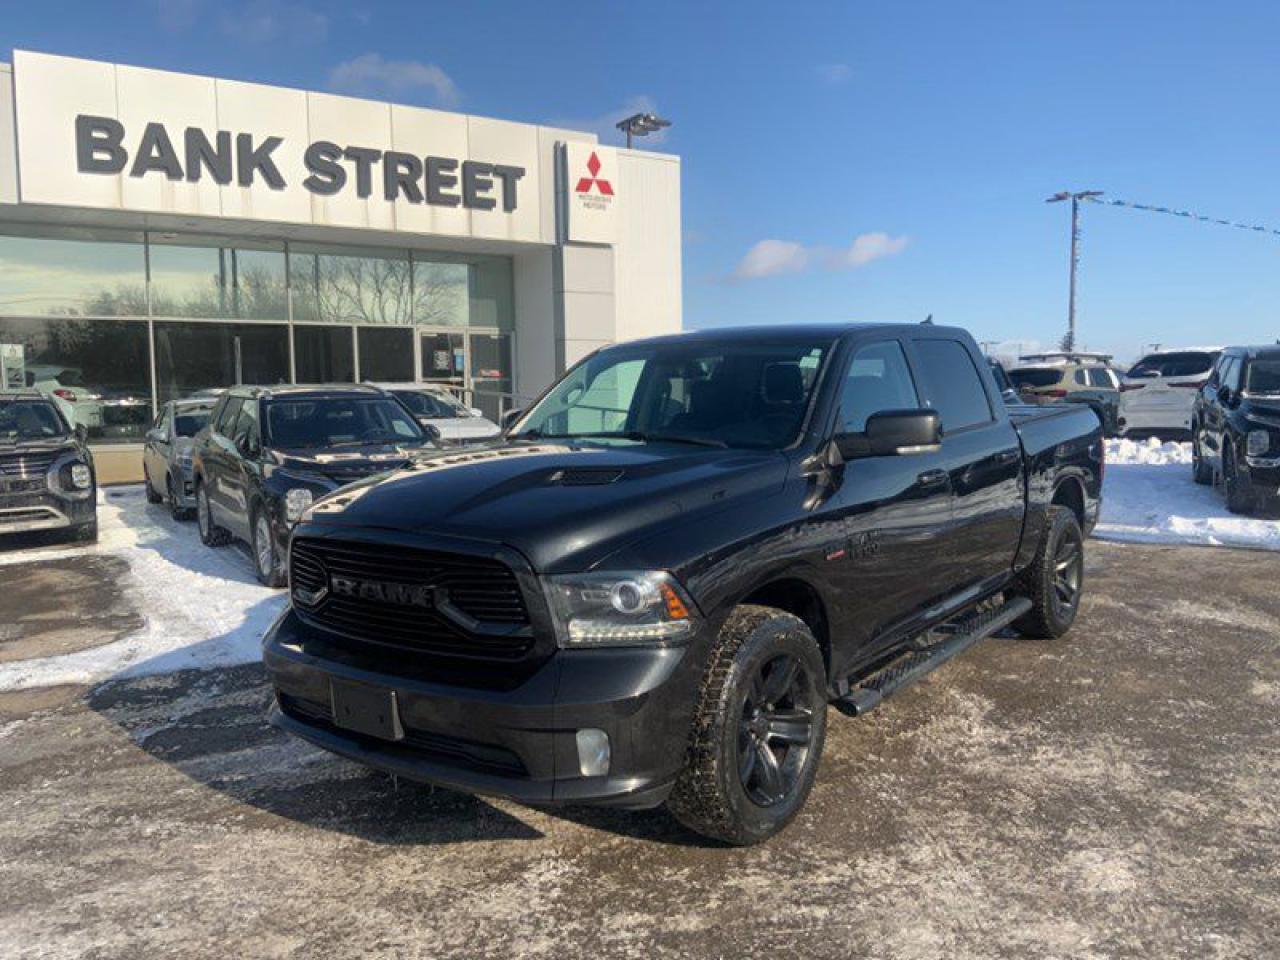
point(349, 286)
point(490, 371)
point(492, 294)
point(207, 277)
point(72, 272)
point(440, 293)
point(386, 354)
point(323, 354)
point(98, 370)
point(205, 356)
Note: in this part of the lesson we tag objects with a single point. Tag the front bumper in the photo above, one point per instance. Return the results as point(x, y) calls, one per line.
point(27, 512)
point(519, 743)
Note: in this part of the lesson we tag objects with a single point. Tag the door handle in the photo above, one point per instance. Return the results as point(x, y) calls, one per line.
point(1006, 456)
point(931, 478)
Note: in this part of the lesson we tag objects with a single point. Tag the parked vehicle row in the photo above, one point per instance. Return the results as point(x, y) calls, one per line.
point(47, 477)
point(1235, 425)
point(652, 587)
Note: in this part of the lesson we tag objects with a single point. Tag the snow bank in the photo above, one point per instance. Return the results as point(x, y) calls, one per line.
point(1148, 497)
point(203, 607)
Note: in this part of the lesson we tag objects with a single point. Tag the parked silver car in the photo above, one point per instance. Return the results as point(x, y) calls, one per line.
point(437, 408)
point(166, 457)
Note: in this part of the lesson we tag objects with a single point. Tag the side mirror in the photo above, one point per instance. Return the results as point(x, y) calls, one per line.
point(893, 433)
point(510, 417)
point(1224, 395)
point(431, 430)
point(475, 412)
point(247, 446)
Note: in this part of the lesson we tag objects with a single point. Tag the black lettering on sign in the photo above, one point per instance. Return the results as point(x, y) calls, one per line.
point(98, 145)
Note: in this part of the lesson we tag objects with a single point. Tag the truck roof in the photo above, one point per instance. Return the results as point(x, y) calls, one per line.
point(764, 333)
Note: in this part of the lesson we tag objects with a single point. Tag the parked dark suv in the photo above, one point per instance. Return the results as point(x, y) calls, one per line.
point(47, 480)
point(266, 453)
point(1235, 427)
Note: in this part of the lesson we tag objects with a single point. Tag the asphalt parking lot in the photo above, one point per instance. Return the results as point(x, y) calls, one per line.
point(1110, 795)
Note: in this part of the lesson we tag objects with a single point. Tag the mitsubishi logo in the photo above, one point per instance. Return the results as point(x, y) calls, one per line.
point(585, 184)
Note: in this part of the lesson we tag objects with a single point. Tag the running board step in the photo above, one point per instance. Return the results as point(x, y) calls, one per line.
point(915, 663)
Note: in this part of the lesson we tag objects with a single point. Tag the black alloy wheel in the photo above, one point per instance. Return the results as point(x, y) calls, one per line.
point(1068, 573)
point(775, 730)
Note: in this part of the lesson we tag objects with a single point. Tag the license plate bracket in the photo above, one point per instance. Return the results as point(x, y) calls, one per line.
point(361, 708)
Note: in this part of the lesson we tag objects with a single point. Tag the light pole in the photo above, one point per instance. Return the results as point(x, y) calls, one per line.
point(641, 125)
point(1070, 342)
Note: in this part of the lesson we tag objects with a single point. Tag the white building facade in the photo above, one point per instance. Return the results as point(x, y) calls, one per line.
point(163, 233)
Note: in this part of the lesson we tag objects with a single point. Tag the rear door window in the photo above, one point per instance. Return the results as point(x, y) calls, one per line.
point(227, 419)
point(1034, 377)
point(954, 387)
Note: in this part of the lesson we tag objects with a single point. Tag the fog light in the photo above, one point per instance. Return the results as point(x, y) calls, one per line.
point(593, 752)
point(81, 478)
point(1259, 442)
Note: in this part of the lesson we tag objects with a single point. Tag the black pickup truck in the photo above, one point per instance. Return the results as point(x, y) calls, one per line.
point(652, 587)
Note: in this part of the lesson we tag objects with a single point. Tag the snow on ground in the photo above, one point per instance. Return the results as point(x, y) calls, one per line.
point(203, 607)
point(1148, 497)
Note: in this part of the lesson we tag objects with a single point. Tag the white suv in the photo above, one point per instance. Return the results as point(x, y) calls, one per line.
point(1157, 393)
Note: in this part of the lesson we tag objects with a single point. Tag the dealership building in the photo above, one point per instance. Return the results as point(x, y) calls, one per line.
point(163, 233)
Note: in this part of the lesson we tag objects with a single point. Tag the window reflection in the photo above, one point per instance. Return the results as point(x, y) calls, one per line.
point(97, 369)
point(440, 293)
point(197, 277)
point(323, 355)
point(339, 288)
point(77, 273)
point(204, 356)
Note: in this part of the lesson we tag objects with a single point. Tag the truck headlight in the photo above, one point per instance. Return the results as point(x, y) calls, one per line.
point(295, 501)
point(1259, 442)
point(81, 476)
point(619, 609)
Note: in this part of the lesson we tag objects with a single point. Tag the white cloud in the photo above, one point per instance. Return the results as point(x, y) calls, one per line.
point(833, 73)
point(604, 125)
point(273, 22)
point(370, 75)
point(865, 248)
point(771, 258)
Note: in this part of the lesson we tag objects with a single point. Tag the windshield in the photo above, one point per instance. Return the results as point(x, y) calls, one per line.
point(748, 394)
point(1264, 376)
point(190, 421)
point(29, 420)
point(1189, 363)
point(339, 421)
point(434, 406)
point(1035, 377)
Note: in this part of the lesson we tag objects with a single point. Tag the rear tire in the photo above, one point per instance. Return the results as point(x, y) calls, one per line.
point(1238, 489)
point(1201, 471)
point(757, 732)
point(211, 535)
point(1054, 582)
point(265, 561)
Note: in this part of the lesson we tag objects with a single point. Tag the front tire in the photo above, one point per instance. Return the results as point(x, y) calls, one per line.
point(152, 496)
point(265, 562)
point(1054, 582)
point(758, 729)
point(211, 535)
point(1238, 489)
point(176, 510)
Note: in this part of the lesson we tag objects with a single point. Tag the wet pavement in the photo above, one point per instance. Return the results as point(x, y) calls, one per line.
point(1112, 794)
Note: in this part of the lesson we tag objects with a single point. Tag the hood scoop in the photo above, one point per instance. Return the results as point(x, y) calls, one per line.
point(585, 476)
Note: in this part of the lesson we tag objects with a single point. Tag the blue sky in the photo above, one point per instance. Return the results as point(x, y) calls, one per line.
point(854, 161)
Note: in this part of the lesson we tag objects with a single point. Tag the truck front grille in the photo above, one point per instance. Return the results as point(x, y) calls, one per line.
point(422, 600)
point(26, 464)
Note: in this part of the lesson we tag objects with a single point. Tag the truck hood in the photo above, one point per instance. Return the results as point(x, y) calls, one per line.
point(346, 464)
point(565, 507)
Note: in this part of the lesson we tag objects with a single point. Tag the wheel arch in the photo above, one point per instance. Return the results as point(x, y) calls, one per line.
point(796, 595)
point(1069, 492)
